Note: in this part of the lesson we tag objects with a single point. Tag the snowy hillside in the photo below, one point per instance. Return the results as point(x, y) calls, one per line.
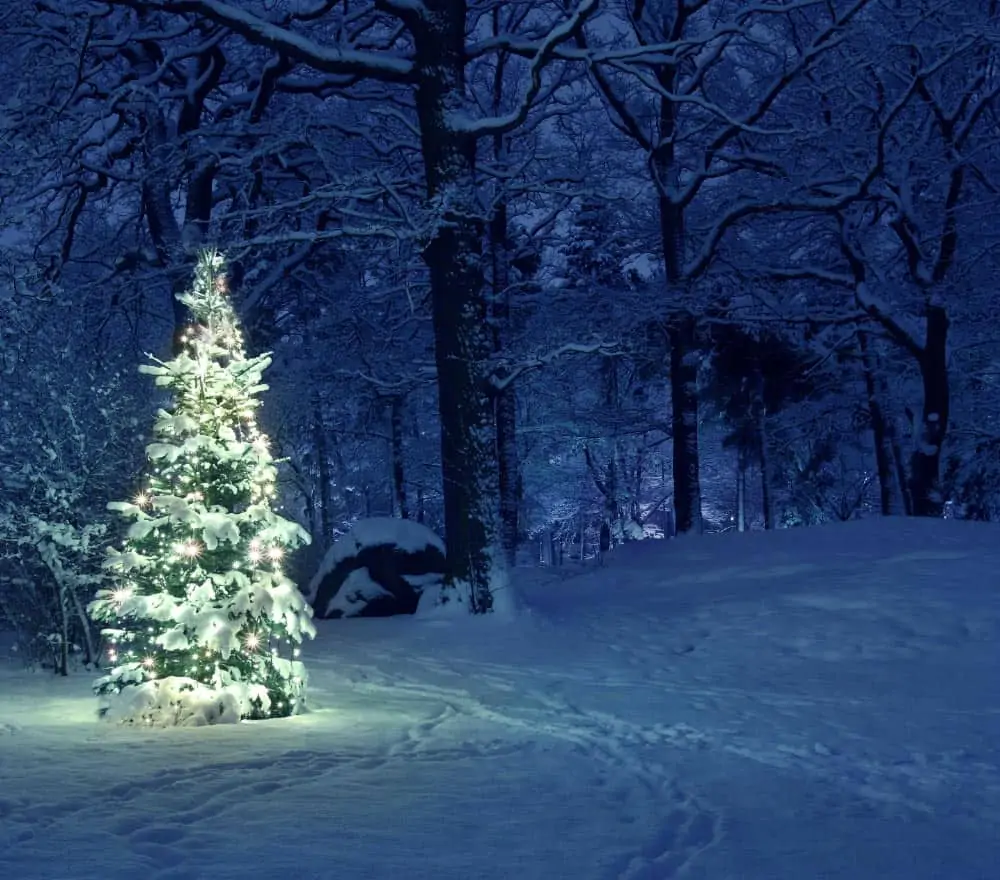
point(818, 703)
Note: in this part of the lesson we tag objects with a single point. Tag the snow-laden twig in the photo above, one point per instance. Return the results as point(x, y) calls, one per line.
point(506, 374)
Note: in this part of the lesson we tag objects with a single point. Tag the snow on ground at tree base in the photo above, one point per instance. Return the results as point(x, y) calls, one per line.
point(819, 703)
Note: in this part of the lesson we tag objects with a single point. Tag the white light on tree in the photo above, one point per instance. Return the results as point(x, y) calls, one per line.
point(191, 601)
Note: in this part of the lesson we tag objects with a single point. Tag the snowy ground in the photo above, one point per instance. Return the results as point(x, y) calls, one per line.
point(807, 704)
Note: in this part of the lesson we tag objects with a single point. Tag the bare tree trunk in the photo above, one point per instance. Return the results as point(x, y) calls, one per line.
point(741, 493)
point(612, 508)
point(85, 628)
point(398, 472)
point(607, 485)
point(507, 457)
point(899, 463)
point(925, 462)
point(890, 488)
point(684, 354)
point(767, 500)
point(160, 178)
point(320, 445)
point(62, 660)
point(546, 556)
point(505, 403)
point(684, 359)
point(462, 345)
point(509, 475)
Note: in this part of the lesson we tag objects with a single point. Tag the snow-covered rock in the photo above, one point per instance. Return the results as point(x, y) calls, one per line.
point(379, 568)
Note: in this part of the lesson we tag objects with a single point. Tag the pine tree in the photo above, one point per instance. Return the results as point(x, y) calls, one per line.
point(201, 610)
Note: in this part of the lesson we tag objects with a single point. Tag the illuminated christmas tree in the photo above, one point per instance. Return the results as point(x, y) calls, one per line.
point(202, 623)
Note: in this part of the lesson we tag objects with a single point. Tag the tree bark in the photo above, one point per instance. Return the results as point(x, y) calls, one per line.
point(741, 493)
point(85, 629)
point(505, 403)
point(766, 495)
point(925, 462)
point(398, 463)
point(684, 358)
point(891, 500)
point(461, 339)
point(509, 473)
point(684, 354)
point(160, 178)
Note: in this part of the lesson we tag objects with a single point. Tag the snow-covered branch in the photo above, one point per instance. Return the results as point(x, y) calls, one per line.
point(543, 54)
point(906, 336)
point(506, 374)
point(385, 66)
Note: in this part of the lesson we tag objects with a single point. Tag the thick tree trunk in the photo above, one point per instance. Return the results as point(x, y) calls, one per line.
point(684, 354)
point(461, 338)
point(509, 470)
point(505, 406)
point(684, 361)
point(509, 475)
point(160, 181)
point(891, 498)
point(925, 462)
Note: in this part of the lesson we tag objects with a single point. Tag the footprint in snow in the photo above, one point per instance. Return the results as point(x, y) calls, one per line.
point(686, 832)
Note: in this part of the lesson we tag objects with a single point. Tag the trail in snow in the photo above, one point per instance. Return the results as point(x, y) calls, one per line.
point(779, 709)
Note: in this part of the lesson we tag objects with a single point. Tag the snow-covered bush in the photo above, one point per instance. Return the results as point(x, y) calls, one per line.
point(63, 426)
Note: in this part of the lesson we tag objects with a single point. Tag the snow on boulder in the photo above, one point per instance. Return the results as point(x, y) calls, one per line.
point(378, 569)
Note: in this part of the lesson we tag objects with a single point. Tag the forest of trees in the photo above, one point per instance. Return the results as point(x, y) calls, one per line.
point(527, 269)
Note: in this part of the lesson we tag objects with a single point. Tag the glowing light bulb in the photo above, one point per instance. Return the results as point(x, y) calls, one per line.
point(275, 553)
point(143, 499)
point(149, 662)
point(188, 549)
point(121, 595)
point(251, 641)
